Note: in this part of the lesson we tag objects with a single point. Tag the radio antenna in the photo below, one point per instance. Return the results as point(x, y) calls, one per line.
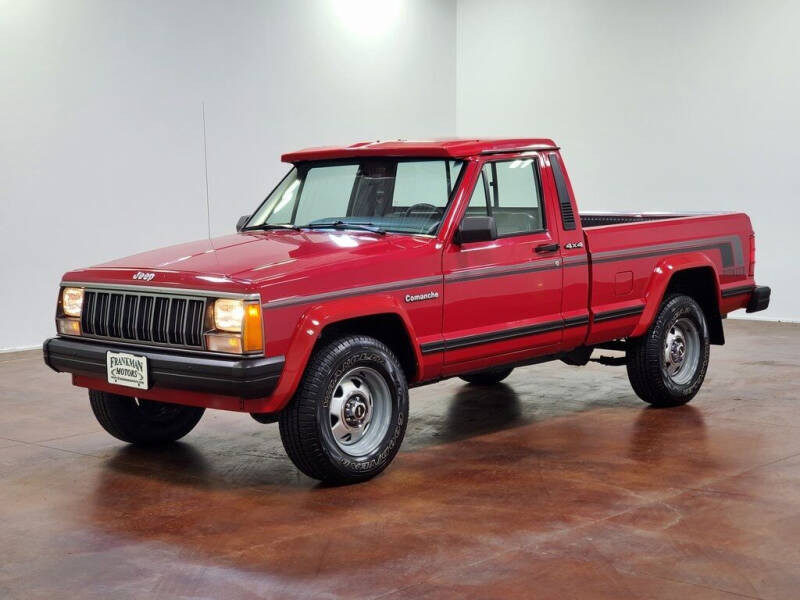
point(205, 167)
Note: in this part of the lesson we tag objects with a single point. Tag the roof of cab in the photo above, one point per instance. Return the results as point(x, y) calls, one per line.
point(449, 148)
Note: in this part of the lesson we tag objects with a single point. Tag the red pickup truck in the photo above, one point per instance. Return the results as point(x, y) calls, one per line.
point(378, 266)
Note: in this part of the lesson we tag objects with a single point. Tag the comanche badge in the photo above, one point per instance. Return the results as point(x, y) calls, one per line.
point(420, 297)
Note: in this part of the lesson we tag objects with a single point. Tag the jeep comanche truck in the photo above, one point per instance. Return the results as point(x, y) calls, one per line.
point(379, 266)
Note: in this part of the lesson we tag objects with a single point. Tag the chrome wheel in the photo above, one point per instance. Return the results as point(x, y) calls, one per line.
point(681, 351)
point(360, 411)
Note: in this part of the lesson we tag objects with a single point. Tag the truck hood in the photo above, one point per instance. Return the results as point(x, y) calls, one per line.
point(253, 259)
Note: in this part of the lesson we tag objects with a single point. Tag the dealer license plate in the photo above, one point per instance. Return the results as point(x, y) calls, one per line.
point(126, 369)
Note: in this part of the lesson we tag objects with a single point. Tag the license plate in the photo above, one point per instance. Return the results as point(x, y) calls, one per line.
point(126, 369)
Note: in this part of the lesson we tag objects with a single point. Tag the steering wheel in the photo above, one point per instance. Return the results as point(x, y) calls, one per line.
point(411, 209)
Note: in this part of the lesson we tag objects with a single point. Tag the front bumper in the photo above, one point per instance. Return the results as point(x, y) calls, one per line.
point(229, 376)
point(759, 299)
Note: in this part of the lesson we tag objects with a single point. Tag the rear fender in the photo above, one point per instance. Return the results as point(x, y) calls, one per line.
point(659, 281)
point(313, 322)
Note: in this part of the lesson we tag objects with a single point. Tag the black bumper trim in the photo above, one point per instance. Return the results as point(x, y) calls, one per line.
point(736, 291)
point(232, 376)
point(759, 300)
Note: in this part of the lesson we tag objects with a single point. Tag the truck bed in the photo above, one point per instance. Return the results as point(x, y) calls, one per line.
point(629, 251)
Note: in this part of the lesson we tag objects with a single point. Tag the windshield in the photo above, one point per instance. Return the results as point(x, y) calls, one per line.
point(405, 196)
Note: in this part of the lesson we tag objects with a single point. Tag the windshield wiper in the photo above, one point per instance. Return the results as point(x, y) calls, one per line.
point(343, 225)
point(269, 226)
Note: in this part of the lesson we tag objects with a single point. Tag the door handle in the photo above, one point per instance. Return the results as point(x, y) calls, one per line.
point(541, 249)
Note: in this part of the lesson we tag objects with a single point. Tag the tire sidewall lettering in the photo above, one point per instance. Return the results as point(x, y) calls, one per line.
point(699, 320)
point(377, 360)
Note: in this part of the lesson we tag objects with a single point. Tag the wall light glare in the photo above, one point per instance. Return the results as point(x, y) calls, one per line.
point(367, 17)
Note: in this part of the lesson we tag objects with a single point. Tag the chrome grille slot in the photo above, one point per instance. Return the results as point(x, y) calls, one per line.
point(163, 319)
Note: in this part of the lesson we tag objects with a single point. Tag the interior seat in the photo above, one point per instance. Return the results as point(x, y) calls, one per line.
point(515, 222)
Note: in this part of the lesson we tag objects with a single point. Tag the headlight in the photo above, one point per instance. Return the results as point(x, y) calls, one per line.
point(238, 327)
point(72, 301)
point(228, 315)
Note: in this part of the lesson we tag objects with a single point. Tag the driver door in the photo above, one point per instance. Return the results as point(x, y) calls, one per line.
point(503, 297)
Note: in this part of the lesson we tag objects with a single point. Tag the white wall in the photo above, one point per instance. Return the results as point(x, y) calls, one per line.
point(679, 105)
point(101, 150)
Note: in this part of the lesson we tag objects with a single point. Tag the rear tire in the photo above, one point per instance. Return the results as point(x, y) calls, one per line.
point(487, 377)
point(143, 422)
point(348, 417)
point(667, 365)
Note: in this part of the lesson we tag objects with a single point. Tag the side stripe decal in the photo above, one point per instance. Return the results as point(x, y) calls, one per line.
point(576, 259)
point(502, 335)
point(730, 248)
point(358, 291)
point(576, 321)
point(507, 334)
point(499, 336)
point(620, 313)
point(432, 347)
point(500, 271)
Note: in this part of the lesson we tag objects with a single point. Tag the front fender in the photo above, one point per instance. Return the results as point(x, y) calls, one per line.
point(660, 278)
point(310, 326)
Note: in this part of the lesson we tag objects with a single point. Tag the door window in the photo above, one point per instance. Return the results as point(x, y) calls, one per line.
point(514, 198)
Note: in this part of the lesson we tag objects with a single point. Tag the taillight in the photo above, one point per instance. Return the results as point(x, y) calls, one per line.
point(752, 271)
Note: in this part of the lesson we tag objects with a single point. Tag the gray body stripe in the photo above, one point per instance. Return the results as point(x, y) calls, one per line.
point(575, 260)
point(487, 272)
point(729, 246)
point(359, 291)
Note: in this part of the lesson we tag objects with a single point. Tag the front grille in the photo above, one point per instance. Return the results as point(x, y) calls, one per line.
point(144, 318)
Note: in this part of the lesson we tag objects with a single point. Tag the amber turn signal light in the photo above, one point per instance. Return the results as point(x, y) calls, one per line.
point(253, 333)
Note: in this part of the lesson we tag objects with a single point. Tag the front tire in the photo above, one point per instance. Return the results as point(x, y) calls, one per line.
point(143, 422)
point(667, 365)
point(348, 417)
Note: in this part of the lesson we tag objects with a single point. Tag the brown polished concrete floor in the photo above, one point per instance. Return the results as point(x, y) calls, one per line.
point(560, 484)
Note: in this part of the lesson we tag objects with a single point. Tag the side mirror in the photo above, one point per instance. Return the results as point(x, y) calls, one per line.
point(476, 229)
point(242, 222)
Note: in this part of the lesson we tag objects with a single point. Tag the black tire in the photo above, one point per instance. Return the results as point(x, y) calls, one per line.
point(306, 424)
point(487, 377)
point(143, 422)
point(646, 361)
